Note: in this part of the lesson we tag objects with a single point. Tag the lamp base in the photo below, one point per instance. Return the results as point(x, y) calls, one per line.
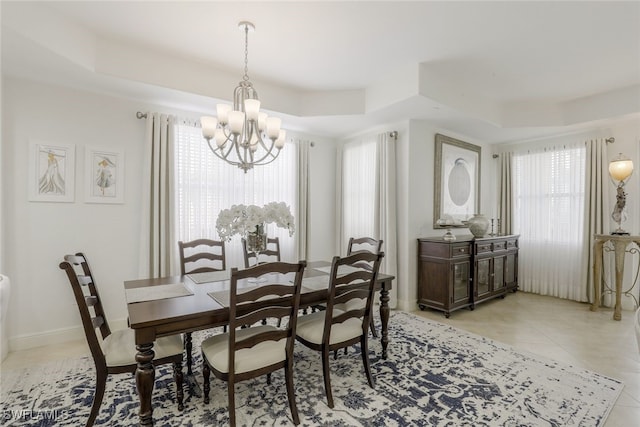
point(620, 233)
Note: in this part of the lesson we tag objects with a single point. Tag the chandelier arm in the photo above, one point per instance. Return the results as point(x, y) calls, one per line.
point(224, 157)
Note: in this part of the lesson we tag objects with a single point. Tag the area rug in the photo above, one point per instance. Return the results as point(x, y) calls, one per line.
point(436, 375)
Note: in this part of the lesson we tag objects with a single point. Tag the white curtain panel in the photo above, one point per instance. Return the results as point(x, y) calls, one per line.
point(157, 232)
point(386, 209)
point(506, 193)
point(302, 216)
point(549, 215)
point(206, 184)
point(367, 197)
point(596, 202)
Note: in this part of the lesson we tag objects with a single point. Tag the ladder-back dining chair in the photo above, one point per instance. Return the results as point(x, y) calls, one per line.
point(200, 256)
point(350, 287)
point(249, 352)
point(368, 244)
point(272, 253)
point(114, 352)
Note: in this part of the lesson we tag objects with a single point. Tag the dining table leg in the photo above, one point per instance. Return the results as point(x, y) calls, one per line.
point(384, 319)
point(145, 377)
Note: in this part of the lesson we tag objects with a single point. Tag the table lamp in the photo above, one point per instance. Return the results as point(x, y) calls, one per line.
point(620, 169)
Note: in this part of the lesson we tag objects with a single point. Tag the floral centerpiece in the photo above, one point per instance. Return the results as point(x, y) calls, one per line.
point(249, 222)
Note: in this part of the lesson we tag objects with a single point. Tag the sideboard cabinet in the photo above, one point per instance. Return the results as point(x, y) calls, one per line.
point(466, 271)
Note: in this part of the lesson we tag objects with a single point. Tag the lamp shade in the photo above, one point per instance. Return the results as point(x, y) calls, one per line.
point(620, 168)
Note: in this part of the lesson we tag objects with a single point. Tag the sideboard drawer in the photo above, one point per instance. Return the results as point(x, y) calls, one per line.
point(460, 249)
point(483, 248)
point(500, 246)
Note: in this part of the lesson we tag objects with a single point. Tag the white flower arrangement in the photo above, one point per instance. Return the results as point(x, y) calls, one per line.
point(241, 219)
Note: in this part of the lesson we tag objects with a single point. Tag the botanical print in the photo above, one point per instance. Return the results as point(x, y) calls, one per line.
point(52, 164)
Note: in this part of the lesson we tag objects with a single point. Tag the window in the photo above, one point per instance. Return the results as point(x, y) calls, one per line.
point(359, 160)
point(549, 211)
point(206, 184)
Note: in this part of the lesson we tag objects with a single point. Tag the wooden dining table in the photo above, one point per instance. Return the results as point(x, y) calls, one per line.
point(199, 309)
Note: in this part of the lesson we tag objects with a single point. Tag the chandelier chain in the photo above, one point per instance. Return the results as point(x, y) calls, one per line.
point(246, 54)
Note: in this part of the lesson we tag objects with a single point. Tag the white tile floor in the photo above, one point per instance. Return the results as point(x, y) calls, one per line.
point(562, 330)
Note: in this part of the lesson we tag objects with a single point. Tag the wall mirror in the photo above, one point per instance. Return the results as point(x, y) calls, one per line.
point(457, 182)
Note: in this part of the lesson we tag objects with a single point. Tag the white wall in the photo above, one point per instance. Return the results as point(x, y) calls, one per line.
point(416, 153)
point(37, 235)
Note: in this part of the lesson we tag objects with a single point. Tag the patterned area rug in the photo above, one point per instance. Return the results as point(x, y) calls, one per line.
point(436, 375)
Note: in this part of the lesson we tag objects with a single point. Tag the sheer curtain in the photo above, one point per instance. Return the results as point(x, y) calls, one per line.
point(205, 185)
point(367, 196)
point(549, 215)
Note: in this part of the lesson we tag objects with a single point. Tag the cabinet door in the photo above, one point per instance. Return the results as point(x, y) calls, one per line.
point(482, 277)
point(498, 272)
point(460, 282)
point(510, 270)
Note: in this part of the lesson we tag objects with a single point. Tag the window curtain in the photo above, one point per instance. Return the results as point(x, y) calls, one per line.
point(594, 212)
point(387, 208)
point(303, 200)
point(206, 184)
point(157, 232)
point(596, 202)
point(367, 196)
point(506, 194)
point(549, 188)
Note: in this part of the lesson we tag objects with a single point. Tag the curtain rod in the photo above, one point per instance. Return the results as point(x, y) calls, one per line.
point(140, 115)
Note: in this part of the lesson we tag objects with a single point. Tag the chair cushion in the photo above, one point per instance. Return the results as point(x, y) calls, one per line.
point(216, 351)
point(352, 304)
point(310, 328)
point(120, 347)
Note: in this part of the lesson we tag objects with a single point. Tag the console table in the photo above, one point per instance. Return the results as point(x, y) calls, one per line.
point(466, 271)
point(620, 246)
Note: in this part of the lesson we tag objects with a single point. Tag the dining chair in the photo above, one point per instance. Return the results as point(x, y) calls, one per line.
point(200, 256)
point(114, 352)
point(334, 328)
point(369, 244)
point(272, 252)
point(241, 354)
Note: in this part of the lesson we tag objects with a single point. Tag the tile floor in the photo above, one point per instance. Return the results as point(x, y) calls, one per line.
point(559, 329)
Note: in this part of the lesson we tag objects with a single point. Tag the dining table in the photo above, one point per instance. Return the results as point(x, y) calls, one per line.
point(165, 306)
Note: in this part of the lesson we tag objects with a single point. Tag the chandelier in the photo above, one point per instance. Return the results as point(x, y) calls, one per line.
point(244, 136)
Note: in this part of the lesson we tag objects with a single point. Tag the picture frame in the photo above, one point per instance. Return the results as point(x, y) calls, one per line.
point(456, 183)
point(51, 172)
point(104, 175)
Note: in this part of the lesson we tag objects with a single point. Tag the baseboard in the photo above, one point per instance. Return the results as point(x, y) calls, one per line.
point(58, 336)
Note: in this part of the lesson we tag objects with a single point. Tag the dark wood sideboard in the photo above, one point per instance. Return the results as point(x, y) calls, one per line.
point(466, 271)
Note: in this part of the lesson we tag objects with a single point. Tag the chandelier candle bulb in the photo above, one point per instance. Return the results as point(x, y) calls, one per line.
point(281, 138)
point(236, 122)
point(251, 108)
point(273, 127)
point(208, 126)
point(262, 121)
point(223, 113)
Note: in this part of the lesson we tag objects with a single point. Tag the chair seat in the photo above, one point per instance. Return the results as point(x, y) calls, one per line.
point(311, 326)
point(352, 304)
point(216, 351)
point(120, 347)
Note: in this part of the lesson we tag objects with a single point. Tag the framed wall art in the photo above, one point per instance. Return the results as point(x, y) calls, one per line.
point(51, 172)
point(457, 180)
point(104, 176)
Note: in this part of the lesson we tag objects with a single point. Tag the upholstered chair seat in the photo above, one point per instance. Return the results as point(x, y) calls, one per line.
point(311, 328)
point(216, 350)
point(120, 347)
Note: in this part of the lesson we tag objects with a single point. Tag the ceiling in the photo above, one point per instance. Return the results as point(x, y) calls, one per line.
point(494, 71)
